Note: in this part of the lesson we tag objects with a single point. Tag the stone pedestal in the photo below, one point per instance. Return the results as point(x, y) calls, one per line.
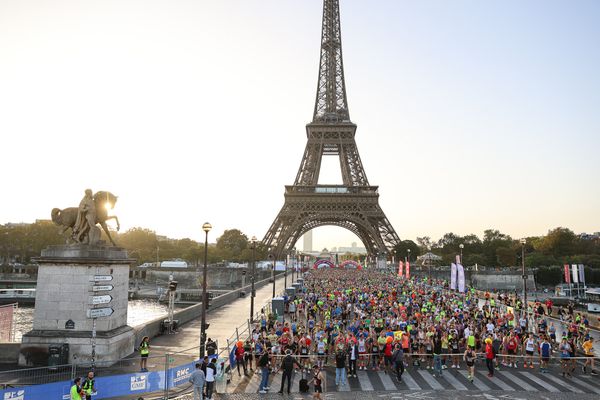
point(80, 289)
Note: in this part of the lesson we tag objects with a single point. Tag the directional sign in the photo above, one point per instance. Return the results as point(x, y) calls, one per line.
point(100, 299)
point(100, 312)
point(102, 288)
point(102, 278)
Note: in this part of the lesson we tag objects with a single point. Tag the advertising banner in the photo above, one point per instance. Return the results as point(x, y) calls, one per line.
point(407, 270)
point(567, 274)
point(581, 273)
point(107, 387)
point(7, 323)
point(400, 268)
point(575, 273)
point(453, 271)
point(461, 278)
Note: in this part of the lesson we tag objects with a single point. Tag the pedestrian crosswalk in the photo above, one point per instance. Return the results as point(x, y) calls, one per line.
point(421, 379)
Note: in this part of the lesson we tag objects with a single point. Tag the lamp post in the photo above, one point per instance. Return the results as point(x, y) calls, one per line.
point(252, 294)
point(287, 257)
point(462, 246)
point(206, 228)
point(523, 242)
point(272, 258)
point(408, 255)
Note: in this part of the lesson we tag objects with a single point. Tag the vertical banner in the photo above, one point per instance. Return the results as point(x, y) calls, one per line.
point(575, 274)
point(460, 278)
point(458, 260)
point(7, 322)
point(453, 271)
point(400, 265)
point(408, 270)
point(567, 274)
point(581, 274)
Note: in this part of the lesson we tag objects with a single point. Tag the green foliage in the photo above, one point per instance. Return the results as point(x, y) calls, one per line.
point(233, 245)
point(401, 250)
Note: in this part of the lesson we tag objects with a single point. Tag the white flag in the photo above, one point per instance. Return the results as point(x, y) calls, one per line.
point(453, 276)
point(575, 273)
point(461, 278)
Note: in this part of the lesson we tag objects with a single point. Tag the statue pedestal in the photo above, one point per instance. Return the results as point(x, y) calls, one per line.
point(81, 300)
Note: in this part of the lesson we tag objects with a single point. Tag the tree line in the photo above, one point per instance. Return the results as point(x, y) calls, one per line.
point(21, 242)
point(548, 253)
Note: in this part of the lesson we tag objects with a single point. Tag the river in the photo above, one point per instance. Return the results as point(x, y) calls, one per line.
point(138, 312)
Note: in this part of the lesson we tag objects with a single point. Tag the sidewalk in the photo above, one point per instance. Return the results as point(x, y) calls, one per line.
point(222, 320)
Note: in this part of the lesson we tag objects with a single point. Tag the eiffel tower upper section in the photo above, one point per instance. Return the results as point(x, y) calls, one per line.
point(354, 204)
point(331, 104)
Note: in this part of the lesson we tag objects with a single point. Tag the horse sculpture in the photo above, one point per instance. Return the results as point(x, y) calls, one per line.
point(67, 218)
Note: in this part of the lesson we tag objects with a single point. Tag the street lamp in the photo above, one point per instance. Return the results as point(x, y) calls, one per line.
point(408, 256)
point(294, 262)
point(523, 242)
point(252, 294)
point(206, 228)
point(272, 258)
point(462, 246)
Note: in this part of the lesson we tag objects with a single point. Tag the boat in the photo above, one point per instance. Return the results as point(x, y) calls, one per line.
point(24, 296)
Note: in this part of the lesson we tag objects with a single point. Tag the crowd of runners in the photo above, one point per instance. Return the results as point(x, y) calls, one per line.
point(371, 320)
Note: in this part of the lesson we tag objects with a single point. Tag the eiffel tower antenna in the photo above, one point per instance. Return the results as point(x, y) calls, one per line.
point(331, 104)
point(354, 205)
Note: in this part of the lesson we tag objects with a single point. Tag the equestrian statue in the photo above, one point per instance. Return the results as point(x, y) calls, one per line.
point(93, 209)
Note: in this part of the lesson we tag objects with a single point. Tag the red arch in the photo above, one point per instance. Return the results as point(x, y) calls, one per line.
point(351, 264)
point(323, 262)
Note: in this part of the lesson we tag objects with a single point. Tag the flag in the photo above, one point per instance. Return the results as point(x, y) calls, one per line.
point(400, 265)
point(460, 278)
point(581, 274)
point(453, 277)
point(232, 357)
point(407, 270)
point(567, 274)
point(575, 274)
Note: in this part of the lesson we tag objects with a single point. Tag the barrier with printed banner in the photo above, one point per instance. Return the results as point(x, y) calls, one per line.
point(108, 386)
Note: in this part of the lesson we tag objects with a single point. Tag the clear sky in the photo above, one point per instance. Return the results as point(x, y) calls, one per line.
point(471, 114)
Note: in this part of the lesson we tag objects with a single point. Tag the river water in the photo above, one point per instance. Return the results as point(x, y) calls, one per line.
point(138, 312)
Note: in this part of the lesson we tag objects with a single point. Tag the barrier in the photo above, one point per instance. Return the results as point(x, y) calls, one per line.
point(109, 386)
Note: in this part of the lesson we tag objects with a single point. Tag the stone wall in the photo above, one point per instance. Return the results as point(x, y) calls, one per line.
point(217, 277)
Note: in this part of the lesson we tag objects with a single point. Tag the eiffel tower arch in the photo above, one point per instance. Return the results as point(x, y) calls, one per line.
point(353, 205)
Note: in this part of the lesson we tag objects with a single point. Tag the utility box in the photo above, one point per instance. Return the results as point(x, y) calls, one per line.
point(58, 355)
point(291, 293)
point(278, 307)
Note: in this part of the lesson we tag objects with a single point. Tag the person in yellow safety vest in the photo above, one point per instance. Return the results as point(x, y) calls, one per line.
point(144, 350)
point(76, 391)
point(88, 386)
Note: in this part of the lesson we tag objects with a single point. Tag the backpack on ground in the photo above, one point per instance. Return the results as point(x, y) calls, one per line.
point(303, 384)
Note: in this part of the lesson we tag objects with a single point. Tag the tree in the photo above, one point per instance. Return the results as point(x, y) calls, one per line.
point(506, 256)
point(231, 244)
point(401, 250)
point(559, 242)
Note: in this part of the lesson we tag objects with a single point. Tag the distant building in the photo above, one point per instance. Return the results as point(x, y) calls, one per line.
point(354, 249)
point(589, 236)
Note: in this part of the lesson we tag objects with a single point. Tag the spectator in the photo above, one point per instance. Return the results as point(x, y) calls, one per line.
point(287, 365)
point(198, 379)
point(211, 372)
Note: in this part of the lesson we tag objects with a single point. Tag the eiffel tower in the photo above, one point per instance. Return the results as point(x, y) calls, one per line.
point(354, 205)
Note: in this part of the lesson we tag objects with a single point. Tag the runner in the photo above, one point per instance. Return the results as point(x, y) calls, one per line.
point(470, 356)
